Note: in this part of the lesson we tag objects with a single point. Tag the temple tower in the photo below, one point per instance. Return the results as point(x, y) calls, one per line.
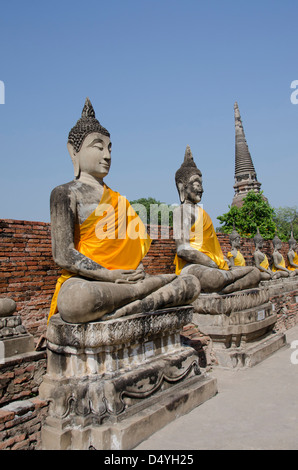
point(245, 173)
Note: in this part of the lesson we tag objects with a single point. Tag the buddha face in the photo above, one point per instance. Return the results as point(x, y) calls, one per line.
point(193, 191)
point(259, 244)
point(94, 156)
point(236, 242)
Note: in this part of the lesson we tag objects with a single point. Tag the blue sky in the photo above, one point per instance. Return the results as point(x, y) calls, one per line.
point(160, 74)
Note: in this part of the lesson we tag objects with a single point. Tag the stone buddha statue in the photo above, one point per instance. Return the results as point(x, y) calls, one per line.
point(198, 249)
point(292, 254)
point(234, 256)
point(279, 264)
point(261, 260)
point(99, 241)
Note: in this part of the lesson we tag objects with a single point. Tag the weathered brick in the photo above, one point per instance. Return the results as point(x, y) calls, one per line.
point(6, 416)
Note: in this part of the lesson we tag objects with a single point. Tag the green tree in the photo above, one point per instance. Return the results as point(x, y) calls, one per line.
point(153, 212)
point(254, 213)
point(286, 219)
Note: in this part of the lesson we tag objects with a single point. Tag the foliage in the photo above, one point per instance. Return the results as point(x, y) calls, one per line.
point(285, 219)
point(254, 213)
point(153, 212)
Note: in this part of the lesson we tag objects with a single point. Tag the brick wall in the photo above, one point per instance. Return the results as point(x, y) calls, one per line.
point(28, 273)
point(286, 307)
point(21, 376)
point(20, 424)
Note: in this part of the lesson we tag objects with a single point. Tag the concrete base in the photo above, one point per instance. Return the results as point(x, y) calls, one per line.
point(111, 384)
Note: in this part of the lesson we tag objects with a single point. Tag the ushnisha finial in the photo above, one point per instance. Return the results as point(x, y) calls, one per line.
point(88, 110)
point(188, 157)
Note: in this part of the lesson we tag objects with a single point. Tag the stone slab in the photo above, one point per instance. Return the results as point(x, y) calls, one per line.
point(15, 346)
point(243, 357)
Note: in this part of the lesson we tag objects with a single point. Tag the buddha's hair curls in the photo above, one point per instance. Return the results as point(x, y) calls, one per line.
point(84, 126)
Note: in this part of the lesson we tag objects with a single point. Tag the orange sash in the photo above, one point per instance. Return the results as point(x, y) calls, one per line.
point(295, 261)
point(238, 260)
point(204, 239)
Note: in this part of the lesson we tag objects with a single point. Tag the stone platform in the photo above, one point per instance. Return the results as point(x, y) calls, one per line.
point(240, 325)
point(111, 384)
point(14, 338)
point(280, 286)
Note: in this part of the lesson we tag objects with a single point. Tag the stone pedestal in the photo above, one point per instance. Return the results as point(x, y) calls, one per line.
point(280, 286)
point(14, 338)
point(241, 326)
point(112, 384)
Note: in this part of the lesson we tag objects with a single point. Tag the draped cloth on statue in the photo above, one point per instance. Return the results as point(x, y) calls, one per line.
point(295, 261)
point(265, 263)
point(113, 236)
point(282, 263)
point(203, 238)
point(238, 260)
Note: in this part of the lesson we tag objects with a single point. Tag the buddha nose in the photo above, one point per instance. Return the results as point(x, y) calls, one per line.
point(107, 155)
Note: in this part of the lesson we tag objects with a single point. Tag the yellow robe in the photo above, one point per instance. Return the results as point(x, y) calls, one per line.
point(238, 260)
point(282, 263)
point(113, 236)
point(295, 261)
point(265, 263)
point(203, 238)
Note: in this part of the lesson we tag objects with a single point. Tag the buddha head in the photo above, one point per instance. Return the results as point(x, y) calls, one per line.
point(235, 238)
point(292, 242)
point(89, 145)
point(277, 243)
point(189, 180)
point(258, 240)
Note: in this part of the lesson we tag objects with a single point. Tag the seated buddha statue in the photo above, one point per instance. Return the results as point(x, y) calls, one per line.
point(99, 241)
point(279, 264)
point(198, 249)
point(261, 260)
point(292, 254)
point(234, 256)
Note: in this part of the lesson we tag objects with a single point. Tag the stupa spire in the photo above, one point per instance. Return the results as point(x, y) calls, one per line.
point(243, 160)
point(245, 173)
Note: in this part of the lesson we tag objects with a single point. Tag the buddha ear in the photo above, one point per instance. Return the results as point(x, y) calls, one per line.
point(181, 192)
point(74, 158)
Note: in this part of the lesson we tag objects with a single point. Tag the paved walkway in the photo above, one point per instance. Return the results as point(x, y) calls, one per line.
point(256, 408)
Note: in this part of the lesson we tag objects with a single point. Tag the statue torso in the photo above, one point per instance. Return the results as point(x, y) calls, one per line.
point(86, 199)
